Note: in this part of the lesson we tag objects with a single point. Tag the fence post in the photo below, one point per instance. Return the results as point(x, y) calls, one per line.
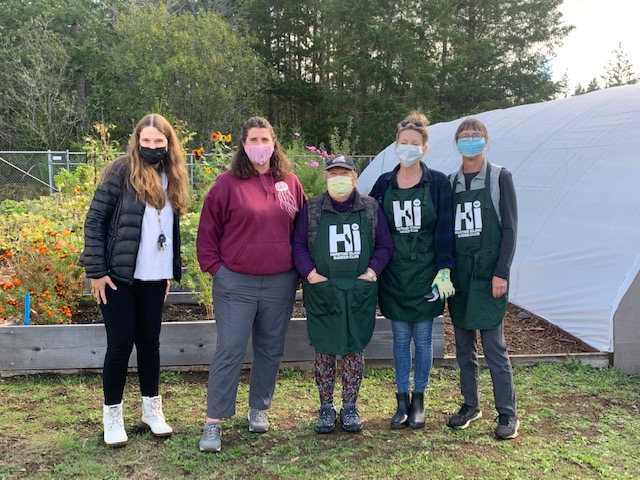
point(50, 165)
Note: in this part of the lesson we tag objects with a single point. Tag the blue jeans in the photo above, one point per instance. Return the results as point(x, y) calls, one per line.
point(420, 332)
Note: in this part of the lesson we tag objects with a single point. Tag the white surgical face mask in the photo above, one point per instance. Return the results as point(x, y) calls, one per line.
point(339, 187)
point(409, 154)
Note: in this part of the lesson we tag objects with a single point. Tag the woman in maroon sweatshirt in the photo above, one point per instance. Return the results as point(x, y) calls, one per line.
point(244, 243)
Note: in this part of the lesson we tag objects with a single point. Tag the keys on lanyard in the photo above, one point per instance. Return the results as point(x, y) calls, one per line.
point(162, 241)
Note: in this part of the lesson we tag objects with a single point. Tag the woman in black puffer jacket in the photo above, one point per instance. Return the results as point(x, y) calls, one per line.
point(132, 251)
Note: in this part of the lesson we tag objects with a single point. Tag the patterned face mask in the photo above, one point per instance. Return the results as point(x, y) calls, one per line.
point(259, 154)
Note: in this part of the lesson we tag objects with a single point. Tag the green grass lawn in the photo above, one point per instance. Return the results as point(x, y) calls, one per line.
point(577, 422)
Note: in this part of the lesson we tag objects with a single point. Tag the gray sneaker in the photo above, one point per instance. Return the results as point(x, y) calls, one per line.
point(464, 417)
point(507, 426)
point(258, 421)
point(210, 441)
point(350, 418)
point(326, 422)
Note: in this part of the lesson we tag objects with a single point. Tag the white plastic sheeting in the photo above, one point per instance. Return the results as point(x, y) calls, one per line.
point(576, 168)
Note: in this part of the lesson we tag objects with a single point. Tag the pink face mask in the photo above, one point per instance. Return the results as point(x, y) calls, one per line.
point(259, 154)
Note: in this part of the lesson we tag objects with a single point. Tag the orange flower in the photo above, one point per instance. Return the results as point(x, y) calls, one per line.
point(17, 282)
point(50, 313)
point(8, 254)
point(215, 136)
point(229, 138)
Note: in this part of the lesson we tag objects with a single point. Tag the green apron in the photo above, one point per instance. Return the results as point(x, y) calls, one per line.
point(407, 277)
point(478, 236)
point(341, 312)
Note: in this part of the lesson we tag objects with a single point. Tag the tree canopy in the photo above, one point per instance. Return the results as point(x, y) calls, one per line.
point(311, 66)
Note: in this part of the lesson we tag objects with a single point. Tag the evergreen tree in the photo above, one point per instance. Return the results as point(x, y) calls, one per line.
point(619, 70)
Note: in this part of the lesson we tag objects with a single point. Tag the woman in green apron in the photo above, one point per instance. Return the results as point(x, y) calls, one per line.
point(485, 230)
point(341, 243)
point(416, 201)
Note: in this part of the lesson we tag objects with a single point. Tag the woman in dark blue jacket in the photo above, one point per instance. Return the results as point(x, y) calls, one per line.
point(416, 201)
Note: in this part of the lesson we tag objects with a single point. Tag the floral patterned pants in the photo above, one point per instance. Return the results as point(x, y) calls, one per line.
point(326, 372)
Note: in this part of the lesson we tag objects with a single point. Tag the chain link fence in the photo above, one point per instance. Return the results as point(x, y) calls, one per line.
point(28, 175)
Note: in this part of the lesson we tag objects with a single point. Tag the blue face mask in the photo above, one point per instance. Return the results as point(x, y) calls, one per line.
point(471, 147)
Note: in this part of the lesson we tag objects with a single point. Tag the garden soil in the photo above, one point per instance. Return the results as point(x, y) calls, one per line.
point(526, 333)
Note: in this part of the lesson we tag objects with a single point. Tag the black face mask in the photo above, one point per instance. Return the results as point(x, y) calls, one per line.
point(153, 155)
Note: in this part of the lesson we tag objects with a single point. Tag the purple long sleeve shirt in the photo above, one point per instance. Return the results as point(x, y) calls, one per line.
point(302, 256)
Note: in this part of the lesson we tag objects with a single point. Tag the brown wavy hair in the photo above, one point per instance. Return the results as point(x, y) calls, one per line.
point(241, 166)
point(410, 124)
point(144, 177)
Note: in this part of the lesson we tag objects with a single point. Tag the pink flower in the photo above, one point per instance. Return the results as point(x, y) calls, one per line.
point(297, 134)
point(314, 164)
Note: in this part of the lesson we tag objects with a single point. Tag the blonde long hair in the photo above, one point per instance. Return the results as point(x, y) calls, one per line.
point(144, 177)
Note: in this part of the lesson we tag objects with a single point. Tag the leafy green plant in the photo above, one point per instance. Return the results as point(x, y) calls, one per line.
point(206, 170)
point(194, 279)
point(308, 162)
point(100, 150)
point(343, 143)
point(208, 166)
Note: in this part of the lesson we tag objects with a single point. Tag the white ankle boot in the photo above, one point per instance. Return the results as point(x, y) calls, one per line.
point(114, 432)
point(153, 417)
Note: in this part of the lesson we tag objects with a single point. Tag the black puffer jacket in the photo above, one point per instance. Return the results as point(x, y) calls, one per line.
point(113, 226)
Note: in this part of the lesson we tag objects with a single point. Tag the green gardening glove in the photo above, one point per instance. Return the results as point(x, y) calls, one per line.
point(443, 283)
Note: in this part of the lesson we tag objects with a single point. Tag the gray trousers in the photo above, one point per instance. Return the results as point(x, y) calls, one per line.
point(497, 358)
point(248, 305)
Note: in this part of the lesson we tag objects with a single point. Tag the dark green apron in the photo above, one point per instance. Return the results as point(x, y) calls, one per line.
point(341, 312)
point(407, 277)
point(478, 236)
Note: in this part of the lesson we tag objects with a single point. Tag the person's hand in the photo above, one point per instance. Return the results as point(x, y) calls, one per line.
point(166, 293)
point(498, 286)
point(443, 282)
point(99, 286)
point(369, 276)
point(314, 277)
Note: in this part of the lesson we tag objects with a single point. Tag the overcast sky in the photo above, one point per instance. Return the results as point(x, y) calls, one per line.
point(600, 26)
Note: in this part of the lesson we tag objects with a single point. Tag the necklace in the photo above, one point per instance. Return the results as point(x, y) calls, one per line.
point(162, 239)
point(413, 174)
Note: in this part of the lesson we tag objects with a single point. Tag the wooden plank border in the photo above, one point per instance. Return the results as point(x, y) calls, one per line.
point(61, 347)
point(190, 346)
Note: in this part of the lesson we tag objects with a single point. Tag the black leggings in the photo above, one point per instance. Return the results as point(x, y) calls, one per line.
point(132, 315)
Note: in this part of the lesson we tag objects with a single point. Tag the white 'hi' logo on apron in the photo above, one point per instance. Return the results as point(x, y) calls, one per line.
point(346, 244)
point(468, 219)
point(407, 216)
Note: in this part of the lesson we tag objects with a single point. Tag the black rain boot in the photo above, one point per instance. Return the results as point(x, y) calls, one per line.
point(416, 411)
point(399, 420)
